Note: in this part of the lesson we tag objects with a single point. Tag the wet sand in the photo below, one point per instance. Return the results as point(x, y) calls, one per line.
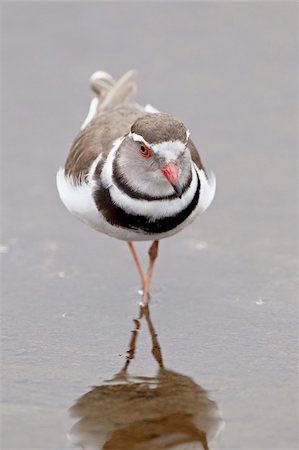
point(224, 299)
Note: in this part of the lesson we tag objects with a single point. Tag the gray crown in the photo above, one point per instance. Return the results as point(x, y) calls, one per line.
point(161, 127)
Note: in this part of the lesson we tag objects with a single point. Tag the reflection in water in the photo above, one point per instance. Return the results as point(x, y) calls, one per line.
point(168, 411)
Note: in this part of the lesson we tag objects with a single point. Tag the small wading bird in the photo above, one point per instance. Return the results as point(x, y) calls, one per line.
point(132, 172)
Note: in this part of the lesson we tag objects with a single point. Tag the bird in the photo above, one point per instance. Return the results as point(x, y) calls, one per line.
point(133, 172)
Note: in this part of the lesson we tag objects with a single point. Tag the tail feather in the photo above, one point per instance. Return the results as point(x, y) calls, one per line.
point(123, 91)
point(101, 83)
point(109, 94)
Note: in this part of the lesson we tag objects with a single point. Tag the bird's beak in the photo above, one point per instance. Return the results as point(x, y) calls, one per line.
point(171, 172)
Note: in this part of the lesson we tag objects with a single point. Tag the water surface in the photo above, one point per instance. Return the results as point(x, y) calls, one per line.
point(224, 299)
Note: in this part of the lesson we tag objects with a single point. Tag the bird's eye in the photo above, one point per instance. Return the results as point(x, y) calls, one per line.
point(144, 150)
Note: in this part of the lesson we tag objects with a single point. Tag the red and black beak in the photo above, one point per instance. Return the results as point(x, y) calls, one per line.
point(171, 172)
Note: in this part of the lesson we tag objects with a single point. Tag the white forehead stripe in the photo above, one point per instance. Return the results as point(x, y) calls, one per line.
point(169, 149)
point(175, 147)
point(187, 134)
point(138, 138)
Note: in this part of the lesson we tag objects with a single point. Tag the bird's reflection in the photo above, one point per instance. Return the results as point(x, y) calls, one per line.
point(168, 411)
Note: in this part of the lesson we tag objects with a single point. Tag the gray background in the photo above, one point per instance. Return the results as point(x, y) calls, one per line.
point(224, 301)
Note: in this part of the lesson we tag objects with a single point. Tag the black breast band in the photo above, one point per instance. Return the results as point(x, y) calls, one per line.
point(118, 217)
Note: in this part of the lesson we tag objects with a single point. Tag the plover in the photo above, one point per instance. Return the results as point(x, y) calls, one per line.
point(133, 172)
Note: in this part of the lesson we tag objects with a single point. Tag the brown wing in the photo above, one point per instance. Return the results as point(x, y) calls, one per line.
point(195, 155)
point(98, 137)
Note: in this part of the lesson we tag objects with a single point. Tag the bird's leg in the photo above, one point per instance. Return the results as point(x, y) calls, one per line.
point(153, 253)
point(137, 262)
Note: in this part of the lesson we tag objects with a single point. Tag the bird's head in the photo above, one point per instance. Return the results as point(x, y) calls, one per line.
point(154, 158)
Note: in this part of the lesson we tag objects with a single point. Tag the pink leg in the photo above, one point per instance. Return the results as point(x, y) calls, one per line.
point(137, 262)
point(153, 253)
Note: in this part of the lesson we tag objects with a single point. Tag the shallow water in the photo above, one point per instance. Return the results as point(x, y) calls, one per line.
point(224, 297)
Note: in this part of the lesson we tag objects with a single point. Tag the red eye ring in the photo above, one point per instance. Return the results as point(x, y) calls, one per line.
point(144, 150)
